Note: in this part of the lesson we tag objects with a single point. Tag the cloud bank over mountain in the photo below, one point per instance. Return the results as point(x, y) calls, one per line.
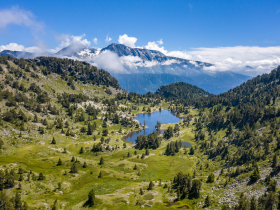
point(250, 60)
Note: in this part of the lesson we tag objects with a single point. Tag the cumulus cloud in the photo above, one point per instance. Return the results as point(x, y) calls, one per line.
point(155, 46)
point(109, 61)
point(126, 40)
point(66, 40)
point(108, 39)
point(237, 58)
point(18, 47)
point(95, 40)
point(18, 16)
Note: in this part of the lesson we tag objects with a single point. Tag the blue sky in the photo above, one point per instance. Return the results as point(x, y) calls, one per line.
point(181, 25)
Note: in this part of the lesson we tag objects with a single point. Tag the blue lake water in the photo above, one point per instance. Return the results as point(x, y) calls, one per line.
point(164, 116)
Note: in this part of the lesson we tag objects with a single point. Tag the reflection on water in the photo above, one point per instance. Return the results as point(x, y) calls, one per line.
point(164, 116)
point(186, 144)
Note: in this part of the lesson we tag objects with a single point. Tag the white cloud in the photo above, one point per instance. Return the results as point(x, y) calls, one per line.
point(237, 58)
point(126, 40)
point(115, 65)
point(18, 16)
point(66, 40)
point(95, 40)
point(18, 47)
point(155, 46)
point(108, 39)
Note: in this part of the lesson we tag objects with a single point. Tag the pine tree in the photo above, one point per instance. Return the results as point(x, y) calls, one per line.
point(100, 175)
point(255, 175)
point(53, 141)
point(211, 178)
point(54, 207)
point(274, 161)
point(101, 161)
point(91, 199)
point(207, 201)
point(151, 185)
point(18, 204)
point(135, 167)
point(74, 168)
point(73, 159)
point(147, 152)
point(81, 150)
point(191, 151)
point(41, 177)
point(59, 163)
point(85, 165)
point(141, 191)
point(128, 154)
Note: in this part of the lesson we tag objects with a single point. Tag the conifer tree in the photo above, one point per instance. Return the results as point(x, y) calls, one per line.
point(100, 175)
point(191, 151)
point(141, 191)
point(207, 201)
point(81, 150)
point(256, 174)
point(135, 167)
point(253, 203)
point(151, 185)
point(54, 207)
point(74, 168)
point(59, 163)
point(73, 159)
point(18, 204)
point(274, 161)
point(53, 141)
point(147, 152)
point(91, 199)
point(85, 165)
point(101, 162)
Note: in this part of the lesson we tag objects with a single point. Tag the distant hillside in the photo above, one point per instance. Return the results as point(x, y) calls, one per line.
point(78, 70)
point(181, 90)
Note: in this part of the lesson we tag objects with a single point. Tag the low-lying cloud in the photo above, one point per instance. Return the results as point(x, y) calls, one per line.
point(250, 60)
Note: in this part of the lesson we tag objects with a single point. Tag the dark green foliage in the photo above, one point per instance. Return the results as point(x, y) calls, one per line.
point(168, 133)
point(151, 185)
point(91, 199)
point(151, 141)
point(41, 177)
point(255, 175)
point(211, 178)
point(173, 147)
point(101, 162)
point(100, 175)
point(81, 150)
point(53, 141)
point(85, 165)
point(207, 201)
point(187, 186)
point(76, 69)
point(54, 207)
point(182, 90)
point(191, 150)
point(59, 163)
point(105, 132)
point(74, 168)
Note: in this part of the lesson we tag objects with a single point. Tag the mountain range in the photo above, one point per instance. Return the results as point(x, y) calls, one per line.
point(142, 70)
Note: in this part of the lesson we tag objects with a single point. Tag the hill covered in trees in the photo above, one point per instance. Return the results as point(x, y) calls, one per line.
point(181, 90)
